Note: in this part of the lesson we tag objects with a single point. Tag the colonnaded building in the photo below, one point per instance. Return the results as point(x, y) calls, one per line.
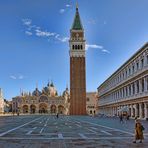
point(127, 88)
point(45, 101)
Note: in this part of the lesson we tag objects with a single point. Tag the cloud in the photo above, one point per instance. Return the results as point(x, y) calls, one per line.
point(92, 21)
point(32, 29)
point(62, 39)
point(62, 11)
point(104, 22)
point(44, 33)
point(28, 33)
point(27, 22)
point(19, 77)
point(13, 77)
point(95, 46)
point(68, 5)
point(106, 51)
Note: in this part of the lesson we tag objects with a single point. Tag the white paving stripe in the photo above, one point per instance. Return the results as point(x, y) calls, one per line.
point(94, 128)
point(83, 136)
point(108, 127)
point(4, 133)
point(64, 138)
point(78, 125)
point(92, 131)
point(107, 133)
point(41, 130)
point(29, 132)
point(60, 136)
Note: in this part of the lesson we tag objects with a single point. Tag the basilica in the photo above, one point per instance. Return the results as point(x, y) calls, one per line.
point(45, 101)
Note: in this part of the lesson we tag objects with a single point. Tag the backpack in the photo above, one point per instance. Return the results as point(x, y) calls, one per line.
point(142, 128)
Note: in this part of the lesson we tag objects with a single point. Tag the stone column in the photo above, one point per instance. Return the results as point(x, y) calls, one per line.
point(131, 89)
point(145, 110)
point(140, 86)
point(140, 110)
point(135, 84)
point(136, 110)
point(131, 106)
point(145, 84)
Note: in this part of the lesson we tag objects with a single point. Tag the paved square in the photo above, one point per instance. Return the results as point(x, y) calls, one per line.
point(44, 131)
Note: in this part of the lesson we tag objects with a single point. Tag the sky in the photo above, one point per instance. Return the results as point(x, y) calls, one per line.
point(34, 47)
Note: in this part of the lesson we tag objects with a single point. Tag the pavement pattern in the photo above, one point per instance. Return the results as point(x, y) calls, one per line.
point(46, 131)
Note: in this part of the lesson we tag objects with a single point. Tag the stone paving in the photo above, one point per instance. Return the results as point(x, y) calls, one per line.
point(44, 131)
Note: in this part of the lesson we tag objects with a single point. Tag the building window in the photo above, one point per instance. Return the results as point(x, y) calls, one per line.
point(133, 88)
point(87, 99)
point(81, 47)
point(142, 63)
point(73, 47)
point(129, 71)
point(142, 83)
point(147, 59)
point(137, 84)
point(137, 65)
point(133, 68)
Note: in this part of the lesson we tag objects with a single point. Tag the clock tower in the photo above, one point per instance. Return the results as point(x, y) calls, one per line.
point(77, 68)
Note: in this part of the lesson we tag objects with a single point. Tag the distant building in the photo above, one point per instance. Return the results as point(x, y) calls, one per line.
point(126, 90)
point(91, 103)
point(1, 101)
point(45, 101)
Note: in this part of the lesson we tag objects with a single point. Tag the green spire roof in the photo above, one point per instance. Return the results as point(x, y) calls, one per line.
point(77, 22)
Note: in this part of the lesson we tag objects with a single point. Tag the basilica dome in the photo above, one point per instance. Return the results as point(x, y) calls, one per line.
point(36, 92)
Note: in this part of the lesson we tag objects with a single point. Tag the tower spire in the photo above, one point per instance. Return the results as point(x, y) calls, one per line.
point(77, 25)
point(77, 6)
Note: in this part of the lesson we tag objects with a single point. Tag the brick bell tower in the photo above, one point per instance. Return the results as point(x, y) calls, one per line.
point(77, 68)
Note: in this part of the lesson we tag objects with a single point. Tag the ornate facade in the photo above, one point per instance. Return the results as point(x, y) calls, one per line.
point(91, 103)
point(77, 68)
point(127, 88)
point(45, 101)
point(1, 102)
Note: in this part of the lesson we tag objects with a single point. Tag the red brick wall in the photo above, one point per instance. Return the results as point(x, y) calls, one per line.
point(77, 86)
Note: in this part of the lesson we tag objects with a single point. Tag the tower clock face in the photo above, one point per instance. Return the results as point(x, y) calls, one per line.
point(77, 35)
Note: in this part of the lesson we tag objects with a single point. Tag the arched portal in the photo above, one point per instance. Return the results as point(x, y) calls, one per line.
point(53, 109)
point(25, 109)
point(43, 108)
point(32, 109)
point(61, 109)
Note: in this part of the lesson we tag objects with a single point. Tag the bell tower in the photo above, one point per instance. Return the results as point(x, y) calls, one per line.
point(77, 68)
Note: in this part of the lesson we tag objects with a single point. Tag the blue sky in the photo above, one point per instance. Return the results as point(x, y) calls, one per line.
point(34, 44)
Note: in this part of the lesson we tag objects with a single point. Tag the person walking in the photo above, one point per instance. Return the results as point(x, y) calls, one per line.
point(121, 118)
point(57, 115)
point(138, 131)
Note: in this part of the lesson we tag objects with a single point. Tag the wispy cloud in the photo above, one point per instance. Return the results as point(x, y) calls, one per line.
point(92, 21)
point(13, 77)
point(18, 77)
point(104, 22)
point(44, 33)
point(27, 21)
point(95, 46)
point(62, 11)
point(67, 5)
point(62, 39)
point(106, 51)
point(28, 33)
point(32, 29)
